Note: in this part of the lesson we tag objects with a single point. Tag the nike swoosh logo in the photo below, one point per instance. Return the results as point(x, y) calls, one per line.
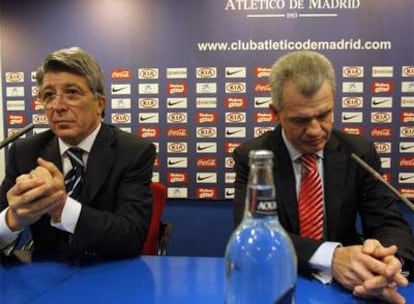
point(403, 148)
point(229, 193)
point(232, 132)
point(404, 178)
point(172, 163)
point(230, 73)
point(173, 103)
point(350, 117)
point(204, 148)
point(258, 103)
point(144, 118)
point(375, 102)
point(114, 90)
point(201, 178)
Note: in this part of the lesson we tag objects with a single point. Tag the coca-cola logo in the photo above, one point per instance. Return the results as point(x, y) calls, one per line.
point(407, 162)
point(121, 74)
point(206, 162)
point(262, 87)
point(381, 132)
point(177, 132)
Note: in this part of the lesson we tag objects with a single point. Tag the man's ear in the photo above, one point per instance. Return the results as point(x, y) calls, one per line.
point(101, 104)
point(274, 112)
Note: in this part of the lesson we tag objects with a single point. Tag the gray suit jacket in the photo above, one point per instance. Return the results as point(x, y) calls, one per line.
point(116, 195)
point(349, 191)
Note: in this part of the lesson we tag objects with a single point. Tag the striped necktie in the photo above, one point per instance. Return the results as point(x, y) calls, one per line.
point(311, 199)
point(73, 179)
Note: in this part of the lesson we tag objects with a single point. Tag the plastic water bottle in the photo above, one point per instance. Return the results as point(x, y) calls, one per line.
point(261, 264)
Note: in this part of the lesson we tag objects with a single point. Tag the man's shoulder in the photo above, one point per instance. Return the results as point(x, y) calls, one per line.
point(265, 141)
point(38, 140)
point(351, 142)
point(124, 138)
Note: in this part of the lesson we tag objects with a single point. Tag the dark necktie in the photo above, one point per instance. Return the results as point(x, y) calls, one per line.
point(73, 179)
point(311, 199)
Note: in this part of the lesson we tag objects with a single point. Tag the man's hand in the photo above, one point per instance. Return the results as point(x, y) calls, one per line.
point(383, 285)
point(56, 178)
point(370, 271)
point(35, 194)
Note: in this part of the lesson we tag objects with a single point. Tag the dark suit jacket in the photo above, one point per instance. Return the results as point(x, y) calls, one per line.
point(116, 195)
point(349, 191)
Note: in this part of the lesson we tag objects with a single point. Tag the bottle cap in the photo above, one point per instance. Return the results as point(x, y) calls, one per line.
point(261, 154)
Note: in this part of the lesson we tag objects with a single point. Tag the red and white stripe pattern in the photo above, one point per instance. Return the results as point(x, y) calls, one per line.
point(311, 199)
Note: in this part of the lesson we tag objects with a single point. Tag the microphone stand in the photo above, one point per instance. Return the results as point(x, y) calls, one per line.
point(378, 176)
point(16, 135)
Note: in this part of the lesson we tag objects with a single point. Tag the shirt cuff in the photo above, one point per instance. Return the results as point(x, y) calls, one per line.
point(7, 236)
point(70, 216)
point(321, 261)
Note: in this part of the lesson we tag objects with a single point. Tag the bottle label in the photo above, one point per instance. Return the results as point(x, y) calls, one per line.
point(265, 207)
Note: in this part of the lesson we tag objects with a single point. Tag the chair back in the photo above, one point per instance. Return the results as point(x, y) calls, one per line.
point(160, 196)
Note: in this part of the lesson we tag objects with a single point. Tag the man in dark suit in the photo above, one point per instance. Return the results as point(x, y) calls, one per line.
point(303, 94)
point(109, 213)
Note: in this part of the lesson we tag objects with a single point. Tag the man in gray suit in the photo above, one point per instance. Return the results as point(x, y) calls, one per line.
point(106, 212)
point(303, 94)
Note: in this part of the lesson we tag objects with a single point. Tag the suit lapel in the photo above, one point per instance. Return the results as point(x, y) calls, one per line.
point(51, 152)
point(285, 183)
point(99, 166)
point(334, 182)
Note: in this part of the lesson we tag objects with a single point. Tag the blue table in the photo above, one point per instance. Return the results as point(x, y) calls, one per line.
point(146, 280)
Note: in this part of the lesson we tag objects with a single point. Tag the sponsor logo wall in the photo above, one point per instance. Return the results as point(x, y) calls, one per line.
point(199, 88)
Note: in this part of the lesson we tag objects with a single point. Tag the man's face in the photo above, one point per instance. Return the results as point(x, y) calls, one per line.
point(73, 110)
point(307, 121)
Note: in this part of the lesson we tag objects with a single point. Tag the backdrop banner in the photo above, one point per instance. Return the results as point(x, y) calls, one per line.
point(193, 75)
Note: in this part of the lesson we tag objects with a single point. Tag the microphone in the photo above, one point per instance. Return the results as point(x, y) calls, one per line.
point(16, 135)
point(381, 179)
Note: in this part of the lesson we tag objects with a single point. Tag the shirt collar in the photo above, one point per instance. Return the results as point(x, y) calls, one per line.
point(293, 153)
point(85, 145)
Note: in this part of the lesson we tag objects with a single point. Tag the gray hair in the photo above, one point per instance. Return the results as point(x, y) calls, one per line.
point(308, 70)
point(77, 61)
